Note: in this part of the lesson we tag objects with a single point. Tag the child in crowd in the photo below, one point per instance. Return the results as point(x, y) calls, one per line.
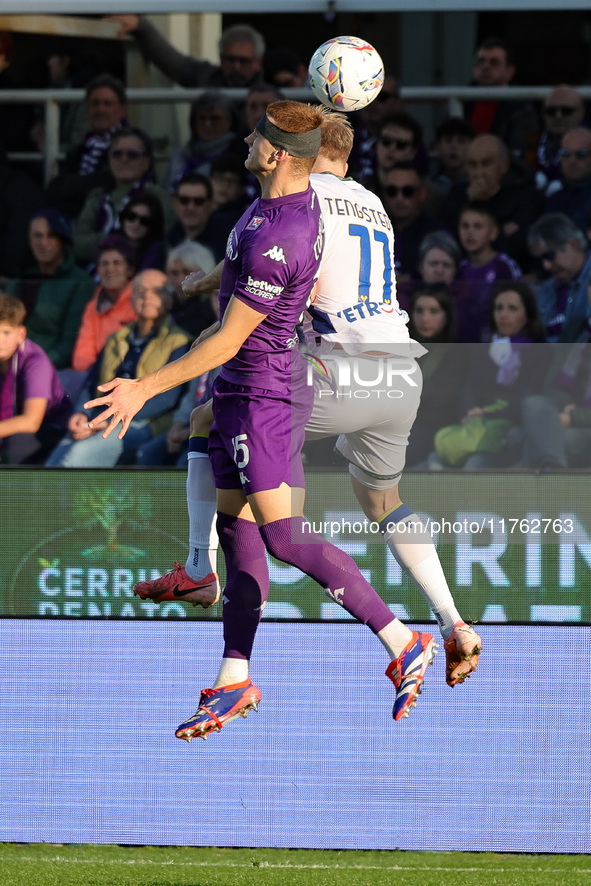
point(483, 266)
point(34, 409)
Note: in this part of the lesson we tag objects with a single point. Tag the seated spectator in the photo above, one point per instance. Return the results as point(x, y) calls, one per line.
point(86, 165)
point(432, 323)
point(482, 267)
point(199, 311)
point(144, 346)
point(284, 68)
point(564, 253)
point(142, 223)
point(498, 377)
point(54, 290)
point(241, 49)
point(400, 140)
point(452, 138)
point(563, 110)
point(514, 121)
point(192, 202)
point(111, 306)
point(34, 409)
point(131, 171)
point(171, 448)
point(212, 123)
point(20, 198)
point(438, 260)
point(367, 124)
point(228, 182)
point(574, 197)
point(403, 196)
point(557, 421)
point(507, 188)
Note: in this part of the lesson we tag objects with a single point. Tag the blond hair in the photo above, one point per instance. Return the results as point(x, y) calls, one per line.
point(337, 135)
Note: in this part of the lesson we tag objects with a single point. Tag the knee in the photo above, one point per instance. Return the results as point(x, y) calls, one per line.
point(202, 419)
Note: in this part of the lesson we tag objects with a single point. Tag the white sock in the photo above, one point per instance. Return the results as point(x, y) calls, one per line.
point(201, 503)
point(232, 670)
point(417, 555)
point(394, 637)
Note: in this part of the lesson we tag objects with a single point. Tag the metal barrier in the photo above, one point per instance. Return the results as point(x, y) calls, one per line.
point(453, 96)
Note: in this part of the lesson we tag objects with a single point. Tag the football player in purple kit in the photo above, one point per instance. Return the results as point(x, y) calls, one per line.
point(261, 404)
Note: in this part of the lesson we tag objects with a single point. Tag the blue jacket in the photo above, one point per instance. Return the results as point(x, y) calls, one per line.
point(577, 308)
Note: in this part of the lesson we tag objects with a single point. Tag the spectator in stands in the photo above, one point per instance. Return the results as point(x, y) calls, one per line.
point(20, 198)
point(498, 377)
point(34, 409)
point(403, 197)
point(131, 172)
point(86, 165)
point(241, 55)
point(563, 110)
point(193, 204)
point(452, 138)
point(574, 197)
point(508, 190)
point(514, 122)
point(438, 260)
point(557, 422)
point(212, 134)
point(110, 307)
point(432, 322)
point(228, 182)
point(367, 124)
point(399, 141)
point(143, 346)
point(142, 223)
point(54, 290)
point(198, 312)
point(284, 69)
point(562, 298)
point(483, 265)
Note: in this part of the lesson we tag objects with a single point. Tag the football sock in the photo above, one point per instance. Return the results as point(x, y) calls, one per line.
point(338, 574)
point(232, 670)
point(414, 550)
point(201, 504)
point(247, 585)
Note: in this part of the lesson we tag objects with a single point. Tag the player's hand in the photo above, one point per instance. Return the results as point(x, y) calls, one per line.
point(124, 397)
point(127, 23)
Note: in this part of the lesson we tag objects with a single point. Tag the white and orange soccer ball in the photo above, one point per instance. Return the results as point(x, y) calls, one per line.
point(346, 73)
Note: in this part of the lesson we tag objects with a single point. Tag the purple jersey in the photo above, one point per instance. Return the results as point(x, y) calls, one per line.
point(272, 260)
point(31, 375)
point(477, 284)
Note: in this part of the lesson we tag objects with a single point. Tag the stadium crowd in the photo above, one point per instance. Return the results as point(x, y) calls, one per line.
point(493, 259)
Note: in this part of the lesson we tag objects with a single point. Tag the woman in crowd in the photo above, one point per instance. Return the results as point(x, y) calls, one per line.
point(439, 258)
point(143, 346)
point(432, 322)
point(142, 222)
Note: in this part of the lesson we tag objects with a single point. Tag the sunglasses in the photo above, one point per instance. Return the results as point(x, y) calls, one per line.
point(132, 216)
point(405, 190)
point(191, 201)
point(131, 154)
point(238, 60)
point(554, 110)
point(401, 143)
point(581, 154)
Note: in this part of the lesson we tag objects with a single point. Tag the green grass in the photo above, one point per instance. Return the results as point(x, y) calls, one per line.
point(48, 865)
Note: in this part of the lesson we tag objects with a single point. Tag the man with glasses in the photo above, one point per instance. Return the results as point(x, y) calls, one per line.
point(515, 122)
point(563, 110)
point(403, 196)
point(574, 197)
point(193, 206)
point(241, 55)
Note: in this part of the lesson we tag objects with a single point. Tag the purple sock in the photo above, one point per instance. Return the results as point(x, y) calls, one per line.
point(247, 583)
point(330, 567)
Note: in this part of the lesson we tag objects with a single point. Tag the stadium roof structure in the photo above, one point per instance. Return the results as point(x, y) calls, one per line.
point(88, 7)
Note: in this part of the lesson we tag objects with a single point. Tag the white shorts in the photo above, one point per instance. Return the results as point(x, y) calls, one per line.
point(371, 402)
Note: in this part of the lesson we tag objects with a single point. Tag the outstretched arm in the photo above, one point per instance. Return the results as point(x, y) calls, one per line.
point(125, 397)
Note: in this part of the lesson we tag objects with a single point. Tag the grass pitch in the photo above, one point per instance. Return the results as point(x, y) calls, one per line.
point(48, 865)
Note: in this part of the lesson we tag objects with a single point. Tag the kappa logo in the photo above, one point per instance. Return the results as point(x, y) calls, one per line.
point(276, 253)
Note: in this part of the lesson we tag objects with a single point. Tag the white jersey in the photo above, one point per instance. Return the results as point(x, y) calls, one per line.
point(355, 305)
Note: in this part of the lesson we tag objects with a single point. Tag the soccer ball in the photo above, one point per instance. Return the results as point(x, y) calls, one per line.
point(346, 73)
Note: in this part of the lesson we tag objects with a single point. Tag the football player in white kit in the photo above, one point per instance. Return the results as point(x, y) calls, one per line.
point(367, 387)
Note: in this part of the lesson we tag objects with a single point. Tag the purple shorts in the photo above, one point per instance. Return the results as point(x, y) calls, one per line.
point(256, 440)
